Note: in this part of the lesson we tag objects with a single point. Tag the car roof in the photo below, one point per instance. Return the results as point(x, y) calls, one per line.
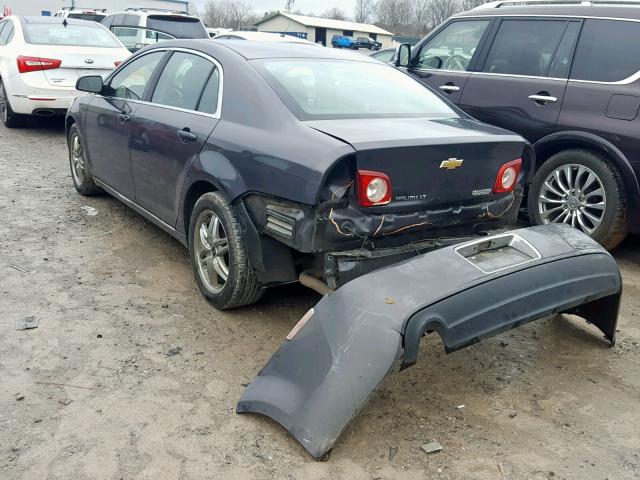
point(251, 50)
point(70, 21)
point(617, 11)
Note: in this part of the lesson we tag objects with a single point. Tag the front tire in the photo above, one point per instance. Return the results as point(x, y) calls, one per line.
point(10, 119)
point(581, 188)
point(219, 255)
point(80, 173)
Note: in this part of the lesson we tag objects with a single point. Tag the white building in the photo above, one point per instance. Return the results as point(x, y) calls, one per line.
point(50, 7)
point(320, 30)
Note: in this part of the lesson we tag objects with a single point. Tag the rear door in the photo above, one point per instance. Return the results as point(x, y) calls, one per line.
point(107, 128)
point(444, 60)
point(523, 77)
point(169, 130)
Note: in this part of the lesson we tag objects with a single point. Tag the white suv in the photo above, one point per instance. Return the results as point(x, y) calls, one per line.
point(138, 27)
point(95, 14)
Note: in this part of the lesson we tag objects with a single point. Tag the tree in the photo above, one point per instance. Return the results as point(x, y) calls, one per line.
point(394, 15)
point(363, 11)
point(334, 14)
point(228, 14)
point(441, 10)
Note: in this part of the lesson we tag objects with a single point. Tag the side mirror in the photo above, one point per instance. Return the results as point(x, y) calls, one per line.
point(90, 83)
point(403, 55)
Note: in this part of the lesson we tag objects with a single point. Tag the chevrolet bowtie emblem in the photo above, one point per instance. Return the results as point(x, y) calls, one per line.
point(451, 163)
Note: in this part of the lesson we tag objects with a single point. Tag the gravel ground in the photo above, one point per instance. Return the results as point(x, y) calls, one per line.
point(131, 374)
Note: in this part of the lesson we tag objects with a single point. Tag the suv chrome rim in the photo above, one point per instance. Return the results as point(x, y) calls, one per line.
point(77, 160)
point(212, 251)
point(573, 194)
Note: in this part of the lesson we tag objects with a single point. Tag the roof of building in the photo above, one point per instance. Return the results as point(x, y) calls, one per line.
point(328, 23)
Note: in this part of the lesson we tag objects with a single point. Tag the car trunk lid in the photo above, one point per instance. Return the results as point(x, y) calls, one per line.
point(81, 61)
point(430, 163)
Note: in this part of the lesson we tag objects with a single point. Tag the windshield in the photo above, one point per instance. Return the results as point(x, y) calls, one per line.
point(75, 35)
point(179, 27)
point(325, 89)
point(96, 17)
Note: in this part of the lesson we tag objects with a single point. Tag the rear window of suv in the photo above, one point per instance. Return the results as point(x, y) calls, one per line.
point(179, 27)
point(608, 51)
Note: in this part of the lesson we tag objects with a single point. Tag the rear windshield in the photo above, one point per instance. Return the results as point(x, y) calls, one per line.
point(76, 35)
point(95, 17)
point(327, 89)
point(179, 27)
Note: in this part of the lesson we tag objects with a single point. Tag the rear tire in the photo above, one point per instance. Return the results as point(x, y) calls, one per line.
point(219, 255)
point(10, 119)
point(583, 189)
point(80, 173)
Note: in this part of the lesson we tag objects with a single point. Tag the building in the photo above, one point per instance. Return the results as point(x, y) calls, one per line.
point(50, 7)
point(320, 30)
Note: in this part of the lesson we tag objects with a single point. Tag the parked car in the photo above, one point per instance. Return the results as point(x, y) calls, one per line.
point(139, 27)
point(343, 41)
point(42, 57)
point(275, 209)
point(567, 78)
point(94, 14)
point(368, 43)
point(335, 165)
point(262, 37)
point(386, 55)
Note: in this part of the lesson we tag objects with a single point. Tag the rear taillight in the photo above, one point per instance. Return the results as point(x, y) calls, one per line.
point(507, 176)
point(117, 63)
point(374, 188)
point(34, 64)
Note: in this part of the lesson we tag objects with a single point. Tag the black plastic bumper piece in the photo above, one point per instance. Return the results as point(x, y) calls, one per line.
point(319, 379)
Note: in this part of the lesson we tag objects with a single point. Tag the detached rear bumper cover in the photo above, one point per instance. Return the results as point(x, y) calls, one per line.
point(318, 381)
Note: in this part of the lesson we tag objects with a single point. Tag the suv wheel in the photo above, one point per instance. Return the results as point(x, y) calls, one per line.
point(9, 117)
point(219, 255)
point(582, 189)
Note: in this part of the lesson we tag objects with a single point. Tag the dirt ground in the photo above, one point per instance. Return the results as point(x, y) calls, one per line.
point(132, 375)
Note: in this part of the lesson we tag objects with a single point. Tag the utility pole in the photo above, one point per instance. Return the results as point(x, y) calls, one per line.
point(289, 5)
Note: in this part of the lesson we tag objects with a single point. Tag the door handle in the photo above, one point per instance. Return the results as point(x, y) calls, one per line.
point(124, 117)
point(186, 135)
point(543, 98)
point(449, 88)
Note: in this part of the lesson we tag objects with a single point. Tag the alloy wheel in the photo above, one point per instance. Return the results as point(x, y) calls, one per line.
point(573, 194)
point(77, 160)
point(3, 104)
point(212, 251)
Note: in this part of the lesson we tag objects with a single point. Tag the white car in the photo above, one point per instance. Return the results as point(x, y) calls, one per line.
point(42, 57)
point(261, 37)
point(95, 14)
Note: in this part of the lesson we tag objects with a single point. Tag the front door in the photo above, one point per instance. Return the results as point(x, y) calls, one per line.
point(444, 60)
point(523, 79)
point(168, 132)
point(321, 36)
point(107, 123)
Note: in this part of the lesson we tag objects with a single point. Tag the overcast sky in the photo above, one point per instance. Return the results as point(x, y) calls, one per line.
point(316, 6)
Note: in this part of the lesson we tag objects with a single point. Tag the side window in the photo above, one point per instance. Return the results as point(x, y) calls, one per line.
point(562, 60)
point(524, 47)
point(132, 80)
point(607, 51)
point(3, 26)
point(210, 95)
point(10, 34)
point(7, 32)
point(182, 81)
point(117, 20)
point(453, 47)
point(107, 21)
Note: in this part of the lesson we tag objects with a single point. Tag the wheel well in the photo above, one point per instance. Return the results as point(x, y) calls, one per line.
point(67, 124)
point(547, 151)
point(196, 190)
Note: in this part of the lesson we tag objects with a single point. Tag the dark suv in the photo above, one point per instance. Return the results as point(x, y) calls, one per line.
point(567, 78)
